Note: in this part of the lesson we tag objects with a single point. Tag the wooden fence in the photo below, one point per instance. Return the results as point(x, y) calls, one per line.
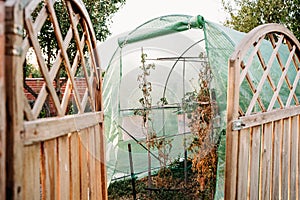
point(263, 134)
point(61, 155)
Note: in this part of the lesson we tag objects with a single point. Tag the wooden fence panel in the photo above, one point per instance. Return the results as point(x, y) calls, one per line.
point(262, 150)
point(59, 154)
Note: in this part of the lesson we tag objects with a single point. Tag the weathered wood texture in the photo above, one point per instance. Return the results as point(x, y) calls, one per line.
point(262, 155)
point(2, 102)
point(14, 101)
point(56, 155)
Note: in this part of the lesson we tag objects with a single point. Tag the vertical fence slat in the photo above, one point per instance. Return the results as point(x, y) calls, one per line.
point(285, 157)
point(254, 164)
point(31, 172)
point(2, 103)
point(51, 173)
point(75, 166)
point(266, 160)
point(98, 162)
point(294, 157)
point(243, 163)
point(64, 167)
point(103, 184)
point(276, 160)
point(92, 168)
point(84, 163)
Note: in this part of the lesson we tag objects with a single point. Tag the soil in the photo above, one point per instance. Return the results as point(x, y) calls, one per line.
point(167, 183)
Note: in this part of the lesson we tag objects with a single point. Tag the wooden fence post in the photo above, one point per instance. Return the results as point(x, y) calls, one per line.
point(99, 107)
point(2, 103)
point(231, 136)
point(14, 99)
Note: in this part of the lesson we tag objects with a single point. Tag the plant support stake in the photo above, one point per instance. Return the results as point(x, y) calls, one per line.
point(132, 172)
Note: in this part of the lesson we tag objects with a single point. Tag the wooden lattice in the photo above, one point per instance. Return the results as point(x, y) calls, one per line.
point(79, 35)
point(273, 60)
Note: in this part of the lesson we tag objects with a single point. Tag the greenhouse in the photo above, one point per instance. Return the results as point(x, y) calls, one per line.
point(150, 90)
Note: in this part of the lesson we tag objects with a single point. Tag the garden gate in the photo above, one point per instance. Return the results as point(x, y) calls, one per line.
point(57, 156)
point(263, 141)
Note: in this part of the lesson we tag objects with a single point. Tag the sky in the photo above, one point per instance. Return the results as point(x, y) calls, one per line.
point(137, 12)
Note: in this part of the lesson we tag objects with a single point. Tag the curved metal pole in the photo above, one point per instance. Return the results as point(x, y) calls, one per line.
point(165, 88)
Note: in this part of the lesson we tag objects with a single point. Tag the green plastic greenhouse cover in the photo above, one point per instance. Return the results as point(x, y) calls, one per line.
point(162, 26)
point(220, 43)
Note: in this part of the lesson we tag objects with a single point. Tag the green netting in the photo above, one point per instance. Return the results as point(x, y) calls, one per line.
point(178, 62)
point(162, 26)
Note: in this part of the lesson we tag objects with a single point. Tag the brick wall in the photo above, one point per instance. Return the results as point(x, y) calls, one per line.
point(37, 83)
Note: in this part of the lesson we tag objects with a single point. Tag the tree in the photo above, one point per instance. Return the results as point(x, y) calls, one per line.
point(246, 15)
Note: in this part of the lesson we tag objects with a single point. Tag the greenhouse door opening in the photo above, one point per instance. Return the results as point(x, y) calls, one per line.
point(263, 116)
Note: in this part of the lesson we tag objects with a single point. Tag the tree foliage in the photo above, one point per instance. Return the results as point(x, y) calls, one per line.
point(246, 15)
point(100, 11)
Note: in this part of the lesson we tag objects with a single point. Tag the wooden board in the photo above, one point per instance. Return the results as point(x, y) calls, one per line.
point(31, 172)
point(232, 136)
point(84, 165)
point(92, 162)
point(285, 159)
point(277, 141)
point(75, 166)
point(243, 164)
point(254, 162)
point(64, 167)
point(2, 104)
point(51, 184)
point(294, 157)
point(14, 103)
point(100, 179)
